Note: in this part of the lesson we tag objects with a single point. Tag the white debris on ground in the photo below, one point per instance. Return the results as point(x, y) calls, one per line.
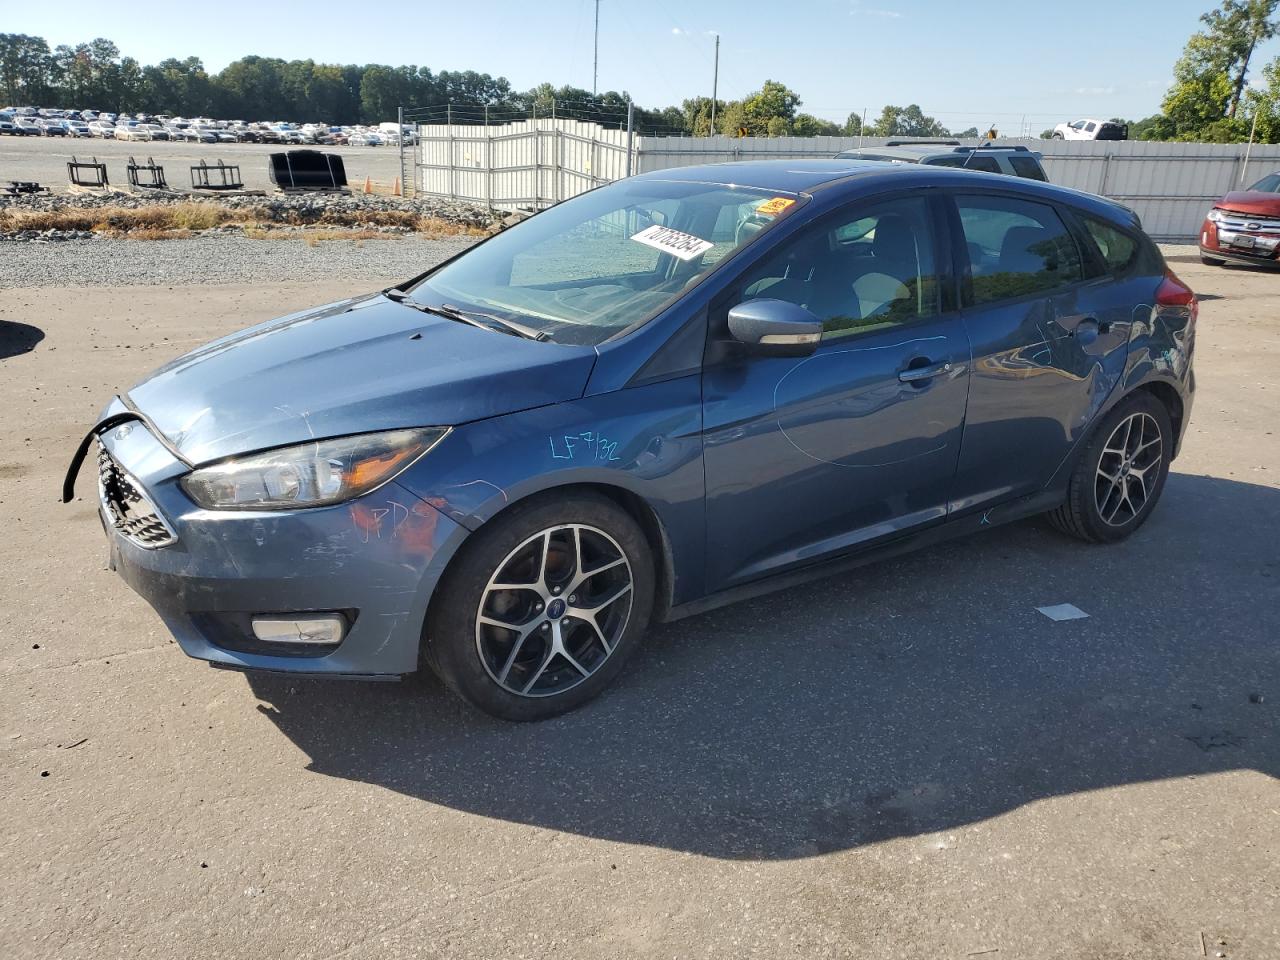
point(1063, 611)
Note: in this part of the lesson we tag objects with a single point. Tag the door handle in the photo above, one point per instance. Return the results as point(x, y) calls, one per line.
point(921, 374)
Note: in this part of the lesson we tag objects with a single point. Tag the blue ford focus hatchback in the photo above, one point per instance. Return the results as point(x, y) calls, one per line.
point(668, 393)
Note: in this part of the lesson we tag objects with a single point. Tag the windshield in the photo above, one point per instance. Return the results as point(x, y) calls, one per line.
point(607, 260)
point(1268, 184)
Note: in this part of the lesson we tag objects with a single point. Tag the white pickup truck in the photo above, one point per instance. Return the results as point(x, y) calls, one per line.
point(1091, 130)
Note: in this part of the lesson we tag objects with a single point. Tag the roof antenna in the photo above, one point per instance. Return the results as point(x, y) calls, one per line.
point(972, 150)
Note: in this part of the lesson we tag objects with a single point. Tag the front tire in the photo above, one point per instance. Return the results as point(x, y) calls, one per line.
point(543, 607)
point(1211, 261)
point(1120, 474)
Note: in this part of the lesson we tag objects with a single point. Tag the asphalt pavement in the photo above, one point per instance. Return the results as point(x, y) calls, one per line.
point(905, 761)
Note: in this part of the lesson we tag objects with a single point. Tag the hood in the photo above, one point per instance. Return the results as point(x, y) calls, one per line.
point(351, 367)
point(1251, 201)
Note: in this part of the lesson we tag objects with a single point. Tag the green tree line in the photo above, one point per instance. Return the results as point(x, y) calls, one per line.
point(1211, 99)
point(96, 75)
point(1214, 96)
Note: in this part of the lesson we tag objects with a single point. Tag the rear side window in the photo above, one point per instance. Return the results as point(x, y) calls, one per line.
point(1118, 249)
point(1016, 248)
point(1028, 167)
point(969, 162)
point(984, 164)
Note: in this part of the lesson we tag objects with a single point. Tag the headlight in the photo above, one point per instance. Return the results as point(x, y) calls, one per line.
point(312, 474)
point(1216, 215)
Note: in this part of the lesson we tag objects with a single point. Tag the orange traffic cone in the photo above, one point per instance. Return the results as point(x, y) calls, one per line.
point(396, 189)
point(368, 185)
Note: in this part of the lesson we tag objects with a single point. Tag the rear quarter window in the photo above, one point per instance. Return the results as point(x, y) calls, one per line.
point(1028, 167)
point(983, 164)
point(1118, 249)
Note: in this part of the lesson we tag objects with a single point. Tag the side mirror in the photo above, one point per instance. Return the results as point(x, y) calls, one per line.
point(775, 327)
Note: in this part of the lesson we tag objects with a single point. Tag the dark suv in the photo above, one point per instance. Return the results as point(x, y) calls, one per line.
point(1015, 161)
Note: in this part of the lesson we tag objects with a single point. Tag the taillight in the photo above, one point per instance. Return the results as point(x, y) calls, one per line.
point(1172, 292)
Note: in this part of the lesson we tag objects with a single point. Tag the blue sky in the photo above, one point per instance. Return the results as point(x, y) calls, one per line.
point(968, 63)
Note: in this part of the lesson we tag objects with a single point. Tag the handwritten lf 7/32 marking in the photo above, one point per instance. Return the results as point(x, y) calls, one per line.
point(588, 445)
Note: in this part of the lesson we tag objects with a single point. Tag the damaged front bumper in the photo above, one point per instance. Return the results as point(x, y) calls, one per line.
point(371, 562)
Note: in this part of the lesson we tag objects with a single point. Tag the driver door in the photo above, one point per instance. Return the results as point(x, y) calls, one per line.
point(810, 457)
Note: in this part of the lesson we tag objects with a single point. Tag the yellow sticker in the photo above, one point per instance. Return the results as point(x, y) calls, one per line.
point(774, 206)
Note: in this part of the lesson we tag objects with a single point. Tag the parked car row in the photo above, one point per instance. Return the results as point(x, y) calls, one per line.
point(14, 126)
point(30, 121)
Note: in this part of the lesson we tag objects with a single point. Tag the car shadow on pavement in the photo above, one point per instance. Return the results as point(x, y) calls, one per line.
point(906, 698)
point(16, 338)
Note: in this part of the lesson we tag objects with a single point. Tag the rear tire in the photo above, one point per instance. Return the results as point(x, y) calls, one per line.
point(1121, 473)
point(1211, 261)
point(543, 607)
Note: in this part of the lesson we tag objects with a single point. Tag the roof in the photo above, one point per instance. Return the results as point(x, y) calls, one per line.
point(859, 176)
point(914, 153)
point(784, 176)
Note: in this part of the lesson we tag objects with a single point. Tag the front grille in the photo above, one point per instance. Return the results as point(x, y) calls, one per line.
point(128, 508)
point(1236, 221)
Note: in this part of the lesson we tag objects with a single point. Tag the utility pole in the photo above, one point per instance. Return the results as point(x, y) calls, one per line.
point(595, 60)
point(715, 83)
point(631, 135)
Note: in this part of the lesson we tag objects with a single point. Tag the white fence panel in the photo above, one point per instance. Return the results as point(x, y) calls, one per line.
point(527, 164)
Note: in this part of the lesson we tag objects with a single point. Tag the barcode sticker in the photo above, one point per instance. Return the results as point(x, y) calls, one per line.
point(683, 246)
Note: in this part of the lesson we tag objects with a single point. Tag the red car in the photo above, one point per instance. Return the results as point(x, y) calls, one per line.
point(1244, 226)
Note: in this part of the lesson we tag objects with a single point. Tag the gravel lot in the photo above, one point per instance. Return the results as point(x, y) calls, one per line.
point(216, 258)
point(45, 159)
point(907, 761)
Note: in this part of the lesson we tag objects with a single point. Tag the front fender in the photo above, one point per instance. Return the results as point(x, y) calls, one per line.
point(645, 440)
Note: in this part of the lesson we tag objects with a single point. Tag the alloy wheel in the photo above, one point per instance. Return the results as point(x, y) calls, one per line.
point(1128, 469)
point(554, 610)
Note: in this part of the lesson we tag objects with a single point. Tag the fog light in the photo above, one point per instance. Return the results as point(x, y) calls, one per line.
point(321, 630)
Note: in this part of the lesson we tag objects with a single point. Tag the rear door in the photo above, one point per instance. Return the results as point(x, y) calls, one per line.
point(810, 457)
point(1049, 330)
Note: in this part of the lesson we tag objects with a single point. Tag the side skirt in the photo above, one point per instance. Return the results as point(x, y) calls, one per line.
point(972, 522)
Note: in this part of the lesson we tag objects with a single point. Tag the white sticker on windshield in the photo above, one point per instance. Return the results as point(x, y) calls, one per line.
point(685, 246)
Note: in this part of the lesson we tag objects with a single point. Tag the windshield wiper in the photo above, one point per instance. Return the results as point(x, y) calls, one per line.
point(508, 326)
point(485, 321)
